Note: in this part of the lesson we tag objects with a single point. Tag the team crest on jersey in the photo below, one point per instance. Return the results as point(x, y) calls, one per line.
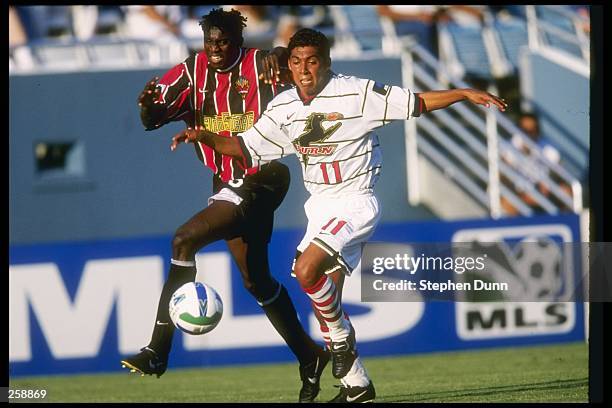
point(242, 86)
point(312, 141)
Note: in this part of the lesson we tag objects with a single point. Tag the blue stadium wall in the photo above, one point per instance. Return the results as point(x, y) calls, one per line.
point(564, 115)
point(131, 183)
point(88, 252)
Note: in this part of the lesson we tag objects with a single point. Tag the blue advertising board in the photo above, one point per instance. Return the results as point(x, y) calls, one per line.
point(81, 306)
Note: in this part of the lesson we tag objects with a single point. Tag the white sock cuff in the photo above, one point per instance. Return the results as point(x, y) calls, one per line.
point(182, 263)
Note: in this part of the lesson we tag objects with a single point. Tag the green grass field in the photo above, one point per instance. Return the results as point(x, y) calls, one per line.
point(522, 374)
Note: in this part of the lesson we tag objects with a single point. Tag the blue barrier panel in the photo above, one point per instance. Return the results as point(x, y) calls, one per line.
point(79, 307)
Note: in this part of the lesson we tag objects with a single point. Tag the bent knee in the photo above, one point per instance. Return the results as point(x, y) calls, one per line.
point(307, 272)
point(185, 240)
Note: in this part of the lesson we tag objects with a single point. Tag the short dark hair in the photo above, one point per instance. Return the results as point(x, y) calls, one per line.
point(230, 22)
point(529, 115)
point(532, 132)
point(307, 37)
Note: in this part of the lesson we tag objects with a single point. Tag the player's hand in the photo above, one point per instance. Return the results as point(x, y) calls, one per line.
point(150, 94)
point(188, 135)
point(271, 69)
point(275, 67)
point(485, 99)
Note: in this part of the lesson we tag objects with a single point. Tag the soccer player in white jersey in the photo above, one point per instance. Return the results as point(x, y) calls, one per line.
point(328, 121)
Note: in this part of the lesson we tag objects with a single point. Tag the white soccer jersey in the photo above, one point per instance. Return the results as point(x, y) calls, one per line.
point(332, 135)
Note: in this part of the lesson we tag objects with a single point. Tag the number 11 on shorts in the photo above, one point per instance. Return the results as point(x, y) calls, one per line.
point(337, 226)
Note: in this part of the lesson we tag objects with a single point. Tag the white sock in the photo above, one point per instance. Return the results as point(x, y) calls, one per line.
point(357, 375)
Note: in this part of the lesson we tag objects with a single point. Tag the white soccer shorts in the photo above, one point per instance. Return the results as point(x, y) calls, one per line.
point(341, 226)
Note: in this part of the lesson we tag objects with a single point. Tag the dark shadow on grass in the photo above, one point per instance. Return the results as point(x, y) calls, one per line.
point(434, 395)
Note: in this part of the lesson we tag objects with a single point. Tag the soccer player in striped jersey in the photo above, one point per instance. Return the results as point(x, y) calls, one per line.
point(328, 121)
point(224, 89)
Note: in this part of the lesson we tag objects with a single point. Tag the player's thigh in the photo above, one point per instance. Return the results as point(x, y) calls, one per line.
point(259, 194)
point(217, 221)
point(269, 185)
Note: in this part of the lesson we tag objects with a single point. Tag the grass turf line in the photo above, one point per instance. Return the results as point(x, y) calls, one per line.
point(520, 374)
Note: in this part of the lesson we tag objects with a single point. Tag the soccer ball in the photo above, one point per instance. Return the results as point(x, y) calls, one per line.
point(539, 261)
point(195, 308)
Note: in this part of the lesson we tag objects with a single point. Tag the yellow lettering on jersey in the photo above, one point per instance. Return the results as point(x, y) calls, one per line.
point(236, 123)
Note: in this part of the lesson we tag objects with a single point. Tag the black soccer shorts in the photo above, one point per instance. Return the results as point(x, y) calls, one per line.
point(261, 195)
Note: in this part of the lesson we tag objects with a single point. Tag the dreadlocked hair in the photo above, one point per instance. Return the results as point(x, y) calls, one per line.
point(307, 37)
point(230, 22)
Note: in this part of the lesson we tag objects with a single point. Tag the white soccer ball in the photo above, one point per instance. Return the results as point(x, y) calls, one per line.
point(539, 262)
point(195, 308)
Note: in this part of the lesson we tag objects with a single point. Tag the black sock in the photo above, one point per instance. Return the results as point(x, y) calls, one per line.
point(163, 330)
point(283, 317)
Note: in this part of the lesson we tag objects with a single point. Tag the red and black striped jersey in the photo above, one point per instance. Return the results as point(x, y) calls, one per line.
point(225, 102)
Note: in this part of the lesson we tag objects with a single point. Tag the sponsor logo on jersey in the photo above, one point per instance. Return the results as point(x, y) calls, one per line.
point(242, 86)
point(316, 150)
point(238, 122)
point(312, 140)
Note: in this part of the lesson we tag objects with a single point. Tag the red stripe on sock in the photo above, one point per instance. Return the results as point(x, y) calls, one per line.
point(317, 286)
point(325, 302)
point(333, 319)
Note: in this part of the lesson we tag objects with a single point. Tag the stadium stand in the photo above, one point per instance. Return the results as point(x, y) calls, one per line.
point(561, 30)
point(468, 50)
point(455, 142)
point(484, 53)
point(511, 34)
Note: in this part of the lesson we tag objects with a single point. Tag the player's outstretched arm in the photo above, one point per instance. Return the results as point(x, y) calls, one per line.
point(433, 100)
point(224, 145)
